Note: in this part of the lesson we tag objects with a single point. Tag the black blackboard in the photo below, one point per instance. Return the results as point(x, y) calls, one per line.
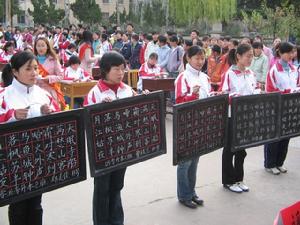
point(290, 115)
point(41, 154)
point(255, 120)
point(199, 127)
point(125, 132)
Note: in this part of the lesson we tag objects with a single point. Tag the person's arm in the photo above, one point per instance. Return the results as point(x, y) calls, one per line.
point(87, 56)
point(58, 73)
point(265, 68)
point(6, 114)
point(164, 61)
point(183, 92)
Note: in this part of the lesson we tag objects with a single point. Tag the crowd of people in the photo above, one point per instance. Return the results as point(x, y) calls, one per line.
point(203, 66)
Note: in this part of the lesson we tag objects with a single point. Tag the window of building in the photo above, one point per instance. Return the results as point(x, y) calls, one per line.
point(21, 17)
point(105, 15)
point(105, 1)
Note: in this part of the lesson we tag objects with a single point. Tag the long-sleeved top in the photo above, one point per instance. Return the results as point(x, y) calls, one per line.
point(118, 44)
point(100, 91)
point(86, 55)
point(79, 74)
point(126, 50)
point(283, 77)
point(187, 80)
point(151, 47)
point(134, 59)
point(175, 59)
point(163, 53)
point(260, 66)
point(147, 72)
point(20, 96)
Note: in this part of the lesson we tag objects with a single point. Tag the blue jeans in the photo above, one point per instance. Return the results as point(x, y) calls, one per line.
point(186, 179)
point(107, 203)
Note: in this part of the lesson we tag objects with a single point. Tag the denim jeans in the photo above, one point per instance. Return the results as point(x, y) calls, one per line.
point(275, 153)
point(107, 204)
point(186, 179)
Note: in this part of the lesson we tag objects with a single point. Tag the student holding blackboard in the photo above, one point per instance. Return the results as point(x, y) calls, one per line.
point(22, 99)
point(107, 204)
point(238, 81)
point(283, 77)
point(192, 84)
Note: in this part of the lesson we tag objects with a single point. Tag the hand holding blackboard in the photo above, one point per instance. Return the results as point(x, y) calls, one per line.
point(45, 109)
point(196, 89)
point(21, 114)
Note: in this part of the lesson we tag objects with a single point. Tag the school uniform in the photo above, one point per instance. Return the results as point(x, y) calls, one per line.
point(187, 171)
point(147, 72)
point(236, 82)
point(283, 77)
point(19, 96)
point(107, 204)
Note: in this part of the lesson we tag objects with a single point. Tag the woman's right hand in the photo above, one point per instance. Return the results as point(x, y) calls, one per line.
point(21, 114)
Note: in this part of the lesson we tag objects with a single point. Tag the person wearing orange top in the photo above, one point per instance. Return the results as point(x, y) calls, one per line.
point(50, 70)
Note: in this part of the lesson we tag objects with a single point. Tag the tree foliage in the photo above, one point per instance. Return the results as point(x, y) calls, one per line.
point(194, 10)
point(46, 13)
point(87, 11)
point(15, 8)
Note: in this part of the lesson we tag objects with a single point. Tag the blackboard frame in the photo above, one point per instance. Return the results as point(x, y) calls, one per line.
point(89, 110)
point(48, 120)
point(257, 97)
point(201, 102)
point(283, 97)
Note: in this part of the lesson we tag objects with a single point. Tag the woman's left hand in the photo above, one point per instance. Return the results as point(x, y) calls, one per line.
point(146, 92)
point(45, 109)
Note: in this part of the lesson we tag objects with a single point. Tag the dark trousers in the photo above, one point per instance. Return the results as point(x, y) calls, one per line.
point(107, 204)
point(232, 163)
point(27, 212)
point(275, 153)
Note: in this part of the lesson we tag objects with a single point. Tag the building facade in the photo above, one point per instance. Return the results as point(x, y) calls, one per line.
point(108, 7)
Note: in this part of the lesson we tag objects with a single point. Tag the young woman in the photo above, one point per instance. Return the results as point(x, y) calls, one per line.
point(8, 52)
point(192, 84)
point(283, 77)
point(49, 69)
point(86, 53)
point(107, 204)
point(20, 100)
point(238, 80)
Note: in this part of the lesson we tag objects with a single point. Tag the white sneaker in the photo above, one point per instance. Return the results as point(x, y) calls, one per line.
point(234, 188)
point(282, 169)
point(273, 170)
point(243, 186)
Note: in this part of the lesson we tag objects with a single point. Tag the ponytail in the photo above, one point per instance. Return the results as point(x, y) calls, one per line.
point(232, 57)
point(7, 75)
point(241, 50)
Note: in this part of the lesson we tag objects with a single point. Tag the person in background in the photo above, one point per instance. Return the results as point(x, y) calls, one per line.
point(259, 64)
point(275, 43)
point(19, 100)
point(96, 42)
point(206, 47)
point(186, 45)
point(71, 50)
point(126, 48)
point(76, 74)
point(147, 40)
point(214, 66)
point(283, 77)
point(238, 81)
point(86, 53)
point(134, 60)
point(148, 70)
point(8, 35)
point(18, 39)
point(8, 52)
point(190, 85)
point(194, 35)
point(130, 30)
point(118, 40)
point(27, 38)
point(105, 45)
point(163, 52)
point(267, 51)
point(175, 57)
point(49, 69)
point(152, 46)
point(107, 203)
point(296, 58)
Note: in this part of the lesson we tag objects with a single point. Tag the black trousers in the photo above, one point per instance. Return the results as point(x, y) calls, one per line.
point(275, 153)
point(232, 163)
point(107, 203)
point(27, 212)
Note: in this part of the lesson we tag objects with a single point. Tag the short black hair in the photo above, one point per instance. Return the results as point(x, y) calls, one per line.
point(104, 36)
point(285, 47)
point(197, 32)
point(216, 48)
point(162, 39)
point(188, 43)
point(109, 60)
point(195, 50)
point(135, 37)
point(257, 45)
point(174, 38)
point(74, 60)
point(153, 55)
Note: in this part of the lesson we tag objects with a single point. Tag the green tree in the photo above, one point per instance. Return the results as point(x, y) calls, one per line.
point(195, 10)
point(46, 13)
point(15, 9)
point(87, 11)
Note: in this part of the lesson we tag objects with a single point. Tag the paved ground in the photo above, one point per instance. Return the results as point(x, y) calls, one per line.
point(149, 195)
